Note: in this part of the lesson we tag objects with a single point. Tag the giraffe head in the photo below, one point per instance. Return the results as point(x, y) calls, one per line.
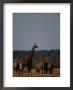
point(34, 46)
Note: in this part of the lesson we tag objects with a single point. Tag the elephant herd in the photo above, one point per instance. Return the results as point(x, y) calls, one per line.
point(23, 67)
point(45, 68)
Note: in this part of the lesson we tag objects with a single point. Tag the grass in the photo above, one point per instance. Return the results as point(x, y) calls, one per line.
point(56, 73)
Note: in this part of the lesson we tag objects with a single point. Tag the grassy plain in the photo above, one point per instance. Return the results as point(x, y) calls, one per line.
point(56, 73)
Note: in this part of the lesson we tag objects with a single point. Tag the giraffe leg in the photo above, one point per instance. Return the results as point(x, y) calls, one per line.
point(31, 72)
point(28, 72)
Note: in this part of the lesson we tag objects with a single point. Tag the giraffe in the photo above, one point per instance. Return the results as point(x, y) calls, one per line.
point(27, 61)
point(29, 58)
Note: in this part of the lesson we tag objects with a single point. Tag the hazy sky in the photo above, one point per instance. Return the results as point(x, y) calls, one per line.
point(41, 28)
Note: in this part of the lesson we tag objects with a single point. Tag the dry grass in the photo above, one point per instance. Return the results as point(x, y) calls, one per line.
point(56, 73)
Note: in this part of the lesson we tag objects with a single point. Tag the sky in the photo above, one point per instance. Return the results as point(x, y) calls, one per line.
point(41, 28)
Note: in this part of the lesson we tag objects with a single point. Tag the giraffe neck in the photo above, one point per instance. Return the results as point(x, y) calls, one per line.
point(32, 52)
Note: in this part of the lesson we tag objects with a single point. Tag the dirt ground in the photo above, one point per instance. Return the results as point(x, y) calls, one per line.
point(56, 73)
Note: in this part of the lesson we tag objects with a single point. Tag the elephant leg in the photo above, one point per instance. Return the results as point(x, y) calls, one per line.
point(22, 72)
point(19, 73)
